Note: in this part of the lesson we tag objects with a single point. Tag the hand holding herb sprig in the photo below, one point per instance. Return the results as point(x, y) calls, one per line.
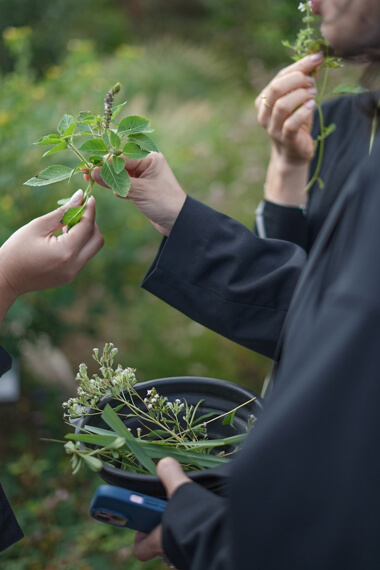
point(96, 141)
point(160, 427)
point(309, 42)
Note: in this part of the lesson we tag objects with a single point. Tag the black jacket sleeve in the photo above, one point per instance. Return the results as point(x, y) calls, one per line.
point(217, 272)
point(10, 531)
point(195, 530)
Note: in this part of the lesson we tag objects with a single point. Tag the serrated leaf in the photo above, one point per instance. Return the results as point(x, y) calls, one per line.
point(84, 127)
point(61, 146)
point(119, 183)
point(95, 147)
point(132, 150)
point(50, 175)
point(113, 420)
point(116, 110)
point(118, 164)
point(114, 139)
point(96, 160)
point(49, 139)
point(72, 216)
point(70, 129)
point(144, 142)
point(132, 124)
point(65, 123)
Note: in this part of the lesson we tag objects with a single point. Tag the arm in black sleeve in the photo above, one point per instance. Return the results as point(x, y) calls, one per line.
point(10, 531)
point(216, 271)
point(276, 221)
point(195, 530)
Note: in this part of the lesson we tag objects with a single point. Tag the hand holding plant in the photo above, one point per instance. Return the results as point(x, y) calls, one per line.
point(96, 141)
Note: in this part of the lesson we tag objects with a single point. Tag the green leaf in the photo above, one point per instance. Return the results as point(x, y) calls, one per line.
point(65, 123)
point(70, 129)
point(120, 183)
point(61, 146)
point(96, 160)
point(132, 124)
point(49, 139)
point(144, 142)
point(95, 147)
point(84, 127)
point(229, 419)
point(184, 456)
point(348, 89)
point(50, 175)
point(63, 201)
point(92, 462)
point(111, 442)
point(118, 164)
point(132, 150)
point(114, 139)
point(116, 110)
point(72, 216)
point(113, 420)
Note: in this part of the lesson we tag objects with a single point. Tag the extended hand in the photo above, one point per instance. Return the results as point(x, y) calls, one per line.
point(33, 258)
point(148, 546)
point(154, 190)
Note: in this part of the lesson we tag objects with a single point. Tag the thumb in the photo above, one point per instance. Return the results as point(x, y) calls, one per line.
point(52, 221)
point(171, 474)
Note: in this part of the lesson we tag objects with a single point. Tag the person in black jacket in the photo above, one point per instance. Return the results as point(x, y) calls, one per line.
point(34, 258)
point(304, 492)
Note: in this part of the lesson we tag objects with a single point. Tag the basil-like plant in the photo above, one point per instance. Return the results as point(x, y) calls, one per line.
point(164, 427)
point(309, 41)
point(96, 141)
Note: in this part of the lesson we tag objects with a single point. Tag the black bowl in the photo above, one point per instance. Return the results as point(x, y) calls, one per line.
point(218, 396)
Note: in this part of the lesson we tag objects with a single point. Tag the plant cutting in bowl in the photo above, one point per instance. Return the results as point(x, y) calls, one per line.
point(123, 427)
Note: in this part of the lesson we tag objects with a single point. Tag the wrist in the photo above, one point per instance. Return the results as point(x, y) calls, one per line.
point(7, 296)
point(286, 181)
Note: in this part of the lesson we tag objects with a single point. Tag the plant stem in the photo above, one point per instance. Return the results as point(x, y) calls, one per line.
point(320, 151)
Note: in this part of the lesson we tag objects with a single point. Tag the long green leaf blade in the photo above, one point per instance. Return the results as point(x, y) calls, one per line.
point(50, 175)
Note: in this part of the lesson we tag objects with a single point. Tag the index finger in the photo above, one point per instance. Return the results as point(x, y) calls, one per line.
point(306, 64)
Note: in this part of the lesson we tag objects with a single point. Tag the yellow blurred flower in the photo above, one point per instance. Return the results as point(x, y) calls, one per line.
point(4, 118)
point(6, 203)
point(12, 34)
point(53, 72)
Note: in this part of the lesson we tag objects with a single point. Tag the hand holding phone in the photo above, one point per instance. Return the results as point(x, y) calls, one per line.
point(125, 508)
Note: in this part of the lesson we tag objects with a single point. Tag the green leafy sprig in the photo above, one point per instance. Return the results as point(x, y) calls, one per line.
point(96, 141)
point(165, 428)
point(309, 41)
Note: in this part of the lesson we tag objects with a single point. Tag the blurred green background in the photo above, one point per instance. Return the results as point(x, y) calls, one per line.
point(194, 69)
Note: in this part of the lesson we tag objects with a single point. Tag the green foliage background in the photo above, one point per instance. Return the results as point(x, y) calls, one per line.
point(192, 68)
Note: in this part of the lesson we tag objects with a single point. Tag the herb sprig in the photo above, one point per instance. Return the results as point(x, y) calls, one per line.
point(309, 41)
point(96, 141)
point(165, 428)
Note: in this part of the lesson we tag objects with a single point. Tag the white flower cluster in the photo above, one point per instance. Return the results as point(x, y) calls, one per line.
point(303, 6)
point(90, 390)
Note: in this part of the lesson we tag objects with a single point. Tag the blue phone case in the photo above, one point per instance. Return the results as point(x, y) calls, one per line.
point(124, 508)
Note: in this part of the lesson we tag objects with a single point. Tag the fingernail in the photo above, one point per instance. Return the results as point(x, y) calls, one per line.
point(312, 91)
point(310, 104)
point(310, 79)
point(76, 198)
point(317, 56)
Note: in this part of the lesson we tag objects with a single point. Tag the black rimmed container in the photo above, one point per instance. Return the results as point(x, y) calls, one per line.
point(218, 396)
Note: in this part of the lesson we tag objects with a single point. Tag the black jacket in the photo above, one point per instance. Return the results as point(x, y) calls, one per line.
point(304, 493)
point(10, 531)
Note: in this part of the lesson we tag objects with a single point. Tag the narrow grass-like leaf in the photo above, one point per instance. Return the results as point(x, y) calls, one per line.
point(113, 420)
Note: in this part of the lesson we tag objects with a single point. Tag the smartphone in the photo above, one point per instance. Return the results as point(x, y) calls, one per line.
point(125, 508)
